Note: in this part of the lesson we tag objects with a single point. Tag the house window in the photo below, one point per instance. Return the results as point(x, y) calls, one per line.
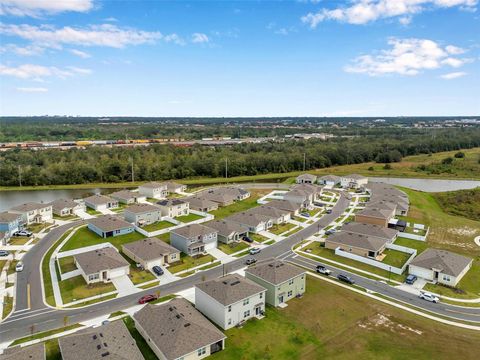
point(261, 295)
point(246, 302)
point(246, 314)
point(229, 321)
point(229, 308)
point(202, 351)
point(290, 282)
point(290, 293)
point(446, 278)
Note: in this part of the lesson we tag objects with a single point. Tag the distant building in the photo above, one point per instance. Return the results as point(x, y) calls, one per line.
point(354, 181)
point(128, 197)
point(66, 207)
point(101, 265)
point(10, 222)
point(153, 190)
point(174, 207)
point(329, 180)
point(33, 213)
point(109, 225)
point(173, 187)
point(306, 179)
point(100, 202)
point(201, 204)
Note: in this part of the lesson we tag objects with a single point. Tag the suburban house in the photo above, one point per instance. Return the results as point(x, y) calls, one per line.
point(66, 207)
point(278, 216)
point(33, 213)
point(306, 179)
point(201, 204)
point(150, 252)
point(371, 230)
point(253, 222)
point(292, 207)
point(176, 330)
point(385, 192)
point(10, 223)
point(282, 280)
point(329, 180)
point(230, 300)
point(101, 265)
point(153, 190)
point(174, 207)
point(353, 181)
point(142, 214)
point(128, 197)
point(302, 197)
point(358, 244)
point(441, 266)
point(225, 196)
point(100, 202)
point(173, 187)
point(4, 238)
point(32, 352)
point(228, 231)
point(313, 189)
point(375, 215)
point(109, 341)
point(109, 225)
point(193, 239)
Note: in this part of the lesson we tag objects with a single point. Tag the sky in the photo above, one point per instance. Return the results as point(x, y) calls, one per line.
point(240, 58)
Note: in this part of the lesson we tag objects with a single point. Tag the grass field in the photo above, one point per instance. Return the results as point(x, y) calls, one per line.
point(395, 258)
point(232, 247)
point(240, 205)
point(279, 229)
point(464, 203)
point(84, 237)
point(420, 246)
point(330, 322)
point(76, 288)
point(189, 218)
point(160, 225)
point(186, 262)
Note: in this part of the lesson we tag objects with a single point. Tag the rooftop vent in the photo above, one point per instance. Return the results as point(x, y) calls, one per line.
point(105, 354)
point(94, 337)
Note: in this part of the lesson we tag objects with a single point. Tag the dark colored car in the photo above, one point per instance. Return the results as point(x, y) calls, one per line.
point(410, 279)
point(250, 261)
point(157, 270)
point(247, 239)
point(147, 298)
point(329, 211)
point(346, 279)
point(4, 253)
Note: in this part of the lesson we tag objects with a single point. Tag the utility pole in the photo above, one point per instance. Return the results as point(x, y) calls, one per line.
point(226, 168)
point(19, 175)
point(133, 173)
point(304, 160)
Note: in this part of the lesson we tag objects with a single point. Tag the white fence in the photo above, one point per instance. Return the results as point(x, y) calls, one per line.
point(379, 264)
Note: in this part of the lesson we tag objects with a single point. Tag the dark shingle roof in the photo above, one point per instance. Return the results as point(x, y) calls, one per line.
point(370, 243)
point(446, 261)
point(95, 261)
point(370, 229)
point(33, 352)
point(274, 271)
point(141, 208)
point(226, 228)
point(29, 206)
point(193, 230)
point(150, 248)
point(109, 223)
point(6, 217)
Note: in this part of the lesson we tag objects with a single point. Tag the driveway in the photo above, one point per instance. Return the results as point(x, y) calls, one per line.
point(124, 285)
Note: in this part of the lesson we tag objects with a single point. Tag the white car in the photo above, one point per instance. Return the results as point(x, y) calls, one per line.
point(19, 267)
point(429, 297)
point(254, 251)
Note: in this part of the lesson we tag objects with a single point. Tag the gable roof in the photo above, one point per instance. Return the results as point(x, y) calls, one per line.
point(249, 219)
point(373, 211)
point(445, 261)
point(371, 230)
point(107, 342)
point(141, 208)
point(193, 231)
point(109, 223)
point(366, 242)
point(230, 289)
point(226, 228)
point(61, 204)
point(32, 352)
point(307, 177)
point(177, 328)
point(154, 185)
point(95, 261)
point(269, 211)
point(150, 248)
point(285, 205)
point(125, 194)
point(333, 178)
point(98, 199)
point(6, 217)
point(30, 206)
point(274, 271)
point(198, 202)
point(171, 202)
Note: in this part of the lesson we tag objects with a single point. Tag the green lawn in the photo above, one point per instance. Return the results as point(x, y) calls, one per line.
point(7, 306)
point(36, 228)
point(145, 349)
point(19, 240)
point(188, 218)
point(137, 275)
point(281, 228)
point(240, 206)
point(11, 267)
point(299, 219)
point(257, 237)
point(395, 258)
point(76, 289)
point(84, 237)
point(158, 226)
point(67, 217)
point(67, 264)
point(420, 246)
point(148, 286)
point(292, 231)
point(186, 262)
point(464, 203)
point(243, 253)
point(164, 237)
point(44, 334)
point(92, 212)
point(314, 211)
point(232, 247)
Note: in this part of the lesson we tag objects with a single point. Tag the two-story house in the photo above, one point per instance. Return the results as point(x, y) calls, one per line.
point(194, 239)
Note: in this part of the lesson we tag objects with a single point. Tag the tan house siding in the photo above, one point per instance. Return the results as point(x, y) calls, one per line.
point(371, 220)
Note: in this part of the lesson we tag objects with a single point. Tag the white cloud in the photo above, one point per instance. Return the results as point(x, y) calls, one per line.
point(453, 75)
point(78, 70)
point(174, 38)
point(38, 7)
point(405, 57)
point(365, 11)
point(200, 38)
point(29, 50)
point(32, 89)
point(39, 72)
point(81, 54)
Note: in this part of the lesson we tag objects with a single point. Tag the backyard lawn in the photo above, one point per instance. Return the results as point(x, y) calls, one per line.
point(395, 258)
point(18, 240)
point(84, 237)
point(187, 262)
point(420, 246)
point(137, 275)
point(7, 306)
point(232, 247)
point(67, 264)
point(188, 218)
point(76, 288)
point(158, 226)
point(279, 229)
point(240, 206)
point(330, 322)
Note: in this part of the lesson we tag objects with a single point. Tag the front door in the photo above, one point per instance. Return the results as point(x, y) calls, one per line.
point(280, 299)
point(257, 310)
point(104, 275)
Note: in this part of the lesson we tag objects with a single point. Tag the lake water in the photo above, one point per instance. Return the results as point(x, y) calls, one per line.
point(429, 185)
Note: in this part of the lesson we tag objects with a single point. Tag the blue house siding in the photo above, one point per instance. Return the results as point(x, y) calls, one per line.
point(10, 227)
point(99, 232)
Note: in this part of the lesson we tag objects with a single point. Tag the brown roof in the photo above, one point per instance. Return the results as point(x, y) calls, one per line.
point(30, 206)
point(274, 271)
point(373, 211)
point(269, 211)
point(226, 228)
point(200, 203)
point(61, 204)
point(125, 194)
point(177, 328)
point(141, 208)
point(109, 223)
point(307, 176)
point(154, 185)
point(330, 178)
point(285, 205)
point(193, 230)
point(445, 261)
point(98, 199)
point(33, 352)
point(230, 289)
point(366, 242)
point(248, 218)
point(150, 248)
point(110, 342)
point(308, 188)
point(6, 217)
point(370, 229)
point(98, 260)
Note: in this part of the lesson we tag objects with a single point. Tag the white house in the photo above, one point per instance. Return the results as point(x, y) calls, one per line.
point(174, 207)
point(100, 202)
point(353, 181)
point(33, 213)
point(101, 265)
point(306, 179)
point(154, 190)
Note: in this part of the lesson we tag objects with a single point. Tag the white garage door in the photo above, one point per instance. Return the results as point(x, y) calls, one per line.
point(117, 272)
point(211, 245)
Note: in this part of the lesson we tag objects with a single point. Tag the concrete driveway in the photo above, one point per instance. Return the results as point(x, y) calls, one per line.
point(124, 285)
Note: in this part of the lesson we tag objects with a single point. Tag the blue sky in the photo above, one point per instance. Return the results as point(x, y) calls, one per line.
point(247, 58)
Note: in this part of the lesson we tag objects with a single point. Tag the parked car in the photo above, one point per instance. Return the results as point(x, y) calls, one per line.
point(23, 233)
point(305, 214)
point(250, 261)
point(318, 204)
point(4, 253)
point(429, 297)
point(329, 211)
point(147, 298)
point(19, 267)
point(323, 270)
point(158, 270)
point(345, 278)
point(247, 239)
point(330, 232)
point(254, 251)
point(410, 279)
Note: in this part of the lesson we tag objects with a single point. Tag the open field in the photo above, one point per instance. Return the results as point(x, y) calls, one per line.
point(464, 203)
point(76, 288)
point(330, 322)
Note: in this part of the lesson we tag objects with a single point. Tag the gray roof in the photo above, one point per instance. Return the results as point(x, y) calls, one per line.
point(110, 342)
point(230, 289)
point(150, 248)
point(98, 199)
point(370, 243)
point(269, 211)
point(193, 230)
point(98, 260)
point(6, 217)
point(200, 203)
point(171, 202)
point(382, 204)
point(334, 178)
point(226, 228)
point(274, 271)
point(141, 208)
point(177, 328)
point(373, 211)
point(223, 194)
point(249, 219)
point(285, 205)
point(32, 352)
point(307, 177)
point(355, 177)
point(447, 262)
point(371, 230)
point(109, 223)
point(30, 206)
point(61, 204)
point(308, 188)
point(125, 195)
point(154, 185)
point(173, 186)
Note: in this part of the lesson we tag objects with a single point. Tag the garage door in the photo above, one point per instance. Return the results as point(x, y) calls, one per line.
point(117, 272)
point(211, 245)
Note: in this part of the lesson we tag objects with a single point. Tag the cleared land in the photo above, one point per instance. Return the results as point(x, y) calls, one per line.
point(464, 203)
